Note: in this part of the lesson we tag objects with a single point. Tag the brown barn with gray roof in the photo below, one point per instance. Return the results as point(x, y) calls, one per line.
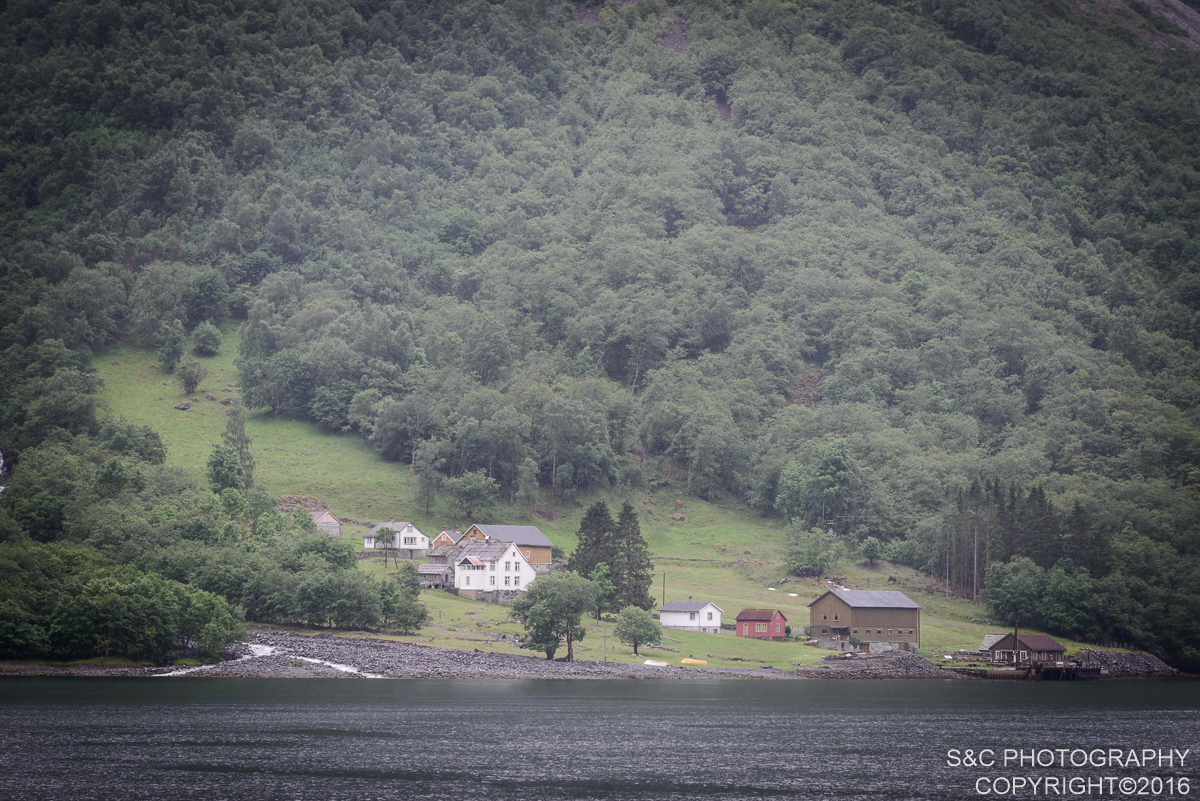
point(868, 615)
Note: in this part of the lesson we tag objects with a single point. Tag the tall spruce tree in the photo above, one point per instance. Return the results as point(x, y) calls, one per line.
point(632, 569)
point(597, 540)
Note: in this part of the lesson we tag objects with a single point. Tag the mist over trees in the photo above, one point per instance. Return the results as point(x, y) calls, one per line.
point(922, 272)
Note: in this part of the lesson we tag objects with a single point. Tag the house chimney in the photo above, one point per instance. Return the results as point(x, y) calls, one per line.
point(689, 598)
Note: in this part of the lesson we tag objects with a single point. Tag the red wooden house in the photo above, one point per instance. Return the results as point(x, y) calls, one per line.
point(765, 624)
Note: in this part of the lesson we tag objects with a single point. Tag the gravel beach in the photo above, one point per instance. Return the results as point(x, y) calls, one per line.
point(282, 654)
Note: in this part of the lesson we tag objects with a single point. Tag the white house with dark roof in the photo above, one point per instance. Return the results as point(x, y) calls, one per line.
point(409, 540)
point(689, 615)
point(481, 567)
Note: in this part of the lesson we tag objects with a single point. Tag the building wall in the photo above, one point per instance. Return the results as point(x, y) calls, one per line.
point(776, 628)
point(896, 625)
point(470, 577)
point(536, 555)
point(509, 572)
point(1004, 650)
point(682, 621)
point(831, 612)
point(439, 540)
point(828, 612)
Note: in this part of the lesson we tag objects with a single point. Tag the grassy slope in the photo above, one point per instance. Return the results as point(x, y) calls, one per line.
point(718, 553)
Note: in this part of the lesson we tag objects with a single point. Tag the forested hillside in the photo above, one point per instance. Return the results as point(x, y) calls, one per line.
point(927, 272)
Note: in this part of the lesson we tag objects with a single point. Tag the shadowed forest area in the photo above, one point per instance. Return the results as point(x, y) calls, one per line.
point(923, 274)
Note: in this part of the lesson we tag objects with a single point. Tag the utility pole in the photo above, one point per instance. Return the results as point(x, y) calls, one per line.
point(664, 589)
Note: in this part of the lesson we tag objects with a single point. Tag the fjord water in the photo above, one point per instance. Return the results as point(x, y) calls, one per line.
point(335, 739)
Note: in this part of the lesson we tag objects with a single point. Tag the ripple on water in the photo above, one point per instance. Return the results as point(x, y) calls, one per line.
point(284, 738)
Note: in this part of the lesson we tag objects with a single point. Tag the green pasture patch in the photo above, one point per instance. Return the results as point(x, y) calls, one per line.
point(717, 552)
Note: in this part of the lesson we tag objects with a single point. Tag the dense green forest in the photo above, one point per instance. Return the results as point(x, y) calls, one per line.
point(922, 271)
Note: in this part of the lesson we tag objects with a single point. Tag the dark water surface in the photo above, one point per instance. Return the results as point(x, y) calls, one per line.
point(315, 739)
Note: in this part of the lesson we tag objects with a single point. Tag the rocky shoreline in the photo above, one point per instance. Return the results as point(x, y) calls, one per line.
point(282, 654)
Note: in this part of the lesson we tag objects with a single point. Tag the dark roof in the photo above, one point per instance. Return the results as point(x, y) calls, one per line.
point(874, 599)
point(759, 614)
point(518, 535)
point(686, 606)
point(454, 534)
point(1040, 642)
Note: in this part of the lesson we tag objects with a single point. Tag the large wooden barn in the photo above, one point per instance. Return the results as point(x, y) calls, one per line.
point(868, 615)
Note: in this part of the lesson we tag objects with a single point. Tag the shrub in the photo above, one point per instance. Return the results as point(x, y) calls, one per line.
point(207, 339)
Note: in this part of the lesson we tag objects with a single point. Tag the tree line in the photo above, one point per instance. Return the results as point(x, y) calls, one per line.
point(840, 262)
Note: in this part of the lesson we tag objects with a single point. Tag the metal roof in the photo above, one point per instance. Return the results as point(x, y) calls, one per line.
point(874, 599)
point(759, 614)
point(432, 570)
point(687, 606)
point(518, 535)
point(490, 551)
point(989, 640)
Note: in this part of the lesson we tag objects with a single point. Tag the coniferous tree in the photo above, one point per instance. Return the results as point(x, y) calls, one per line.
point(596, 540)
point(632, 569)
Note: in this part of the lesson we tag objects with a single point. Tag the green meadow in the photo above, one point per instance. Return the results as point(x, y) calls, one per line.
point(718, 552)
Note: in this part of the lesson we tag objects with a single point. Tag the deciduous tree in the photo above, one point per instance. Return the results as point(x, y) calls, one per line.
point(636, 627)
point(552, 609)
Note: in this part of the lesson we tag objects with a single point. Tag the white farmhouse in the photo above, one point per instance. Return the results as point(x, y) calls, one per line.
point(409, 540)
point(689, 615)
point(490, 566)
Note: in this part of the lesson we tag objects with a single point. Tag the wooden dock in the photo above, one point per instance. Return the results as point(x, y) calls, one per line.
point(1043, 672)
